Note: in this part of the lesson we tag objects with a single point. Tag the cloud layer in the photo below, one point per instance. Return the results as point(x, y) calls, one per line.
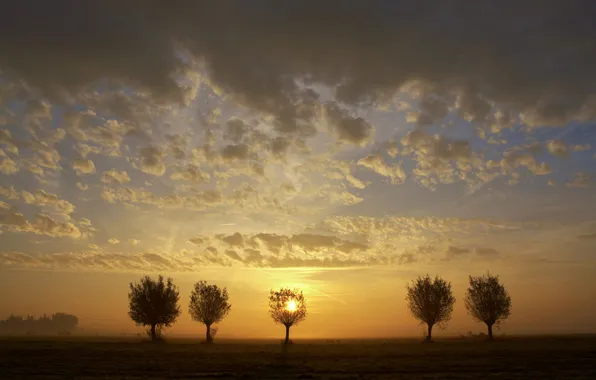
point(281, 134)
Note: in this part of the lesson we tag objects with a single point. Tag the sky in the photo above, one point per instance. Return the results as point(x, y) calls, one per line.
point(341, 147)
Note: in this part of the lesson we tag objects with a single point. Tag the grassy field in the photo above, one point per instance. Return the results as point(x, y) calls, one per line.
point(510, 358)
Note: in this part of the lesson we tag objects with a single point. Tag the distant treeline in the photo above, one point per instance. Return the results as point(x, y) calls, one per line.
point(56, 324)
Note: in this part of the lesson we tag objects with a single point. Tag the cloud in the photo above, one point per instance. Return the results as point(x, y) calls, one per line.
point(41, 225)
point(524, 157)
point(580, 148)
point(115, 177)
point(431, 111)
point(557, 148)
point(311, 242)
point(235, 152)
point(95, 260)
point(233, 255)
point(580, 180)
point(235, 130)
point(364, 65)
point(454, 252)
point(268, 249)
point(142, 262)
point(354, 241)
point(82, 166)
point(190, 173)
point(198, 240)
point(377, 164)
point(350, 129)
point(152, 161)
point(487, 253)
point(8, 166)
point(41, 198)
point(338, 242)
point(45, 225)
point(441, 160)
point(9, 192)
point(177, 145)
point(436, 147)
point(198, 200)
point(590, 236)
point(235, 240)
point(287, 118)
point(273, 242)
point(13, 220)
point(7, 141)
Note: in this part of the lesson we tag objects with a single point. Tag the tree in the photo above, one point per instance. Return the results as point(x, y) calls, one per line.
point(208, 305)
point(64, 323)
point(154, 304)
point(430, 301)
point(488, 301)
point(287, 307)
point(58, 323)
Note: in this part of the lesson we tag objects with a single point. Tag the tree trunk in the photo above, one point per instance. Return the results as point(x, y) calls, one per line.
point(490, 331)
point(208, 334)
point(153, 333)
point(287, 334)
point(429, 334)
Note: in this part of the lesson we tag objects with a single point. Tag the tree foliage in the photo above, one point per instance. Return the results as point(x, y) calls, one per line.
point(154, 304)
point(488, 301)
point(208, 304)
point(287, 307)
point(279, 300)
point(58, 323)
point(430, 301)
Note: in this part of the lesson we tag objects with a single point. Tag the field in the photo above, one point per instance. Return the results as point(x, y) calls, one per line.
point(510, 358)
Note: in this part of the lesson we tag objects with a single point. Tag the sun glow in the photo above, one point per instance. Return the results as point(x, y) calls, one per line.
point(291, 306)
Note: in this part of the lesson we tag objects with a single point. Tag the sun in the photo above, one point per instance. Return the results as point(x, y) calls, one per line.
point(291, 306)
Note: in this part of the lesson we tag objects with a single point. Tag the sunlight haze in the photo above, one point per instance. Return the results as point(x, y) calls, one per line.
point(256, 146)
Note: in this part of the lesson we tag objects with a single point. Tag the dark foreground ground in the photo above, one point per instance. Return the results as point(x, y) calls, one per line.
point(511, 358)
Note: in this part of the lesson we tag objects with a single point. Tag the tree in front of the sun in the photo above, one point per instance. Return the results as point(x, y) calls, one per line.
point(430, 301)
point(209, 305)
point(488, 301)
point(287, 307)
point(154, 304)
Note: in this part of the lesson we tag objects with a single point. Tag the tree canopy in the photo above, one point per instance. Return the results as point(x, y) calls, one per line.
point(488, 301)
point(287, 307)
point(208, 304)
point(154, 304)
point(58, 323)
point(430, 301)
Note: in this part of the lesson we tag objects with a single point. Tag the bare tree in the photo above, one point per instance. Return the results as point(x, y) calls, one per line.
point(208, 305)
point(430, 301)
point(287, 307)
point(154, 304)
point(488, 301)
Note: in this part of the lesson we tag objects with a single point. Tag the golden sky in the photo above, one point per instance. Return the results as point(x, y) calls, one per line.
point(341, 149)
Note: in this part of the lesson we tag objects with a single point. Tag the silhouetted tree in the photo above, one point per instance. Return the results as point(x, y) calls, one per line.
point(58, 323)
point(154, 304)
point(488, 301)
point(287, 307)
point(65, 323)
point(430, 301)
point(208, 305)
